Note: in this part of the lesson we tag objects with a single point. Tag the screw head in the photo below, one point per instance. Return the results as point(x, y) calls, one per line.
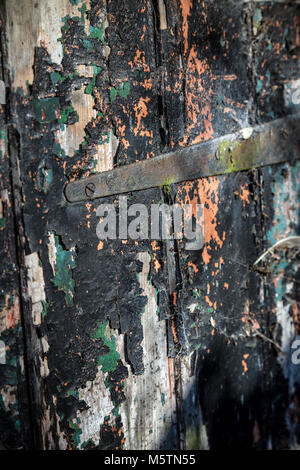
point(90, 189)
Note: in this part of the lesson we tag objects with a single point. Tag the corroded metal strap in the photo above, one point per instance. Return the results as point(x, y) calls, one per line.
point(275, 142)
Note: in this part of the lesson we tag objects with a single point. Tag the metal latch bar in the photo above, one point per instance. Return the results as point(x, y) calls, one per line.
point(268, 144)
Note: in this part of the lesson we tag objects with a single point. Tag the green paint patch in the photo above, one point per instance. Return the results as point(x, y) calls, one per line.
point(258, 85)
point(65, 263)
point(46, 109)
point(82, 10)
point(97, 33)
point(89, 89)
point(66, 22)
point(116, 411)
point(75, 426)
point(92, 84)
point(17, 424)
point(196, 293)
point(65, 113)
point(97, 70)
point(3, 135)
point(44, 311)
point(123, 91)
point(87, 443)
point(72, 393)
point(48, 178)
point(2, 405)
point(157, 300)
point(58, 150)
point(11, 374)
point(55, 78)
point(108, 361)
point(2, 223)
point(257, 17)
point(87, 44)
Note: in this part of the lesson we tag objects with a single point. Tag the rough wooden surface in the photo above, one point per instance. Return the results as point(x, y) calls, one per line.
point(139, 344)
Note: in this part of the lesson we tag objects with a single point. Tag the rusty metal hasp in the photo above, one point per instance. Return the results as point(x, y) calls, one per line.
point(275, 142)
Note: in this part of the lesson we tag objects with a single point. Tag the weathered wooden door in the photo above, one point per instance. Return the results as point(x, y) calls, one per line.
point(143, 344)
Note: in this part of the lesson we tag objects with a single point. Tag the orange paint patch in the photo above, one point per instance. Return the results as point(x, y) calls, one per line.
point(140, 61)
point(186, 6)
point(154, 245)
point(205, 193)
point(10, 315)
point(173, 327)
point(141, 112)
point(245, 356)
point(295, 315)
point(193, 266)
point(198, 98)
point(244, 194)
point(157, 265)
point(206, 256)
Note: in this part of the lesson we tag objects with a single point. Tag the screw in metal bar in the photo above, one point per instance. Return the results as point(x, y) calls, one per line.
point(90, 189)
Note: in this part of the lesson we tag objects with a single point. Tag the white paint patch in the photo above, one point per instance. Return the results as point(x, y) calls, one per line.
point(106, 153)
point(193, 307)
point(45, 345)
point(73, 135)
point(33, 24)
point(2, 353)
point(149, 411)
point(36, 286)
point(9, 397)
point(162, 15)
point(86, 71)
point(2, 92)
point(52, 251)
point(44, 370)
point(285, 320)
point(97, 397)
point(35, 278)
point(37, 310)
point(246, 133)
point(4, 197)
